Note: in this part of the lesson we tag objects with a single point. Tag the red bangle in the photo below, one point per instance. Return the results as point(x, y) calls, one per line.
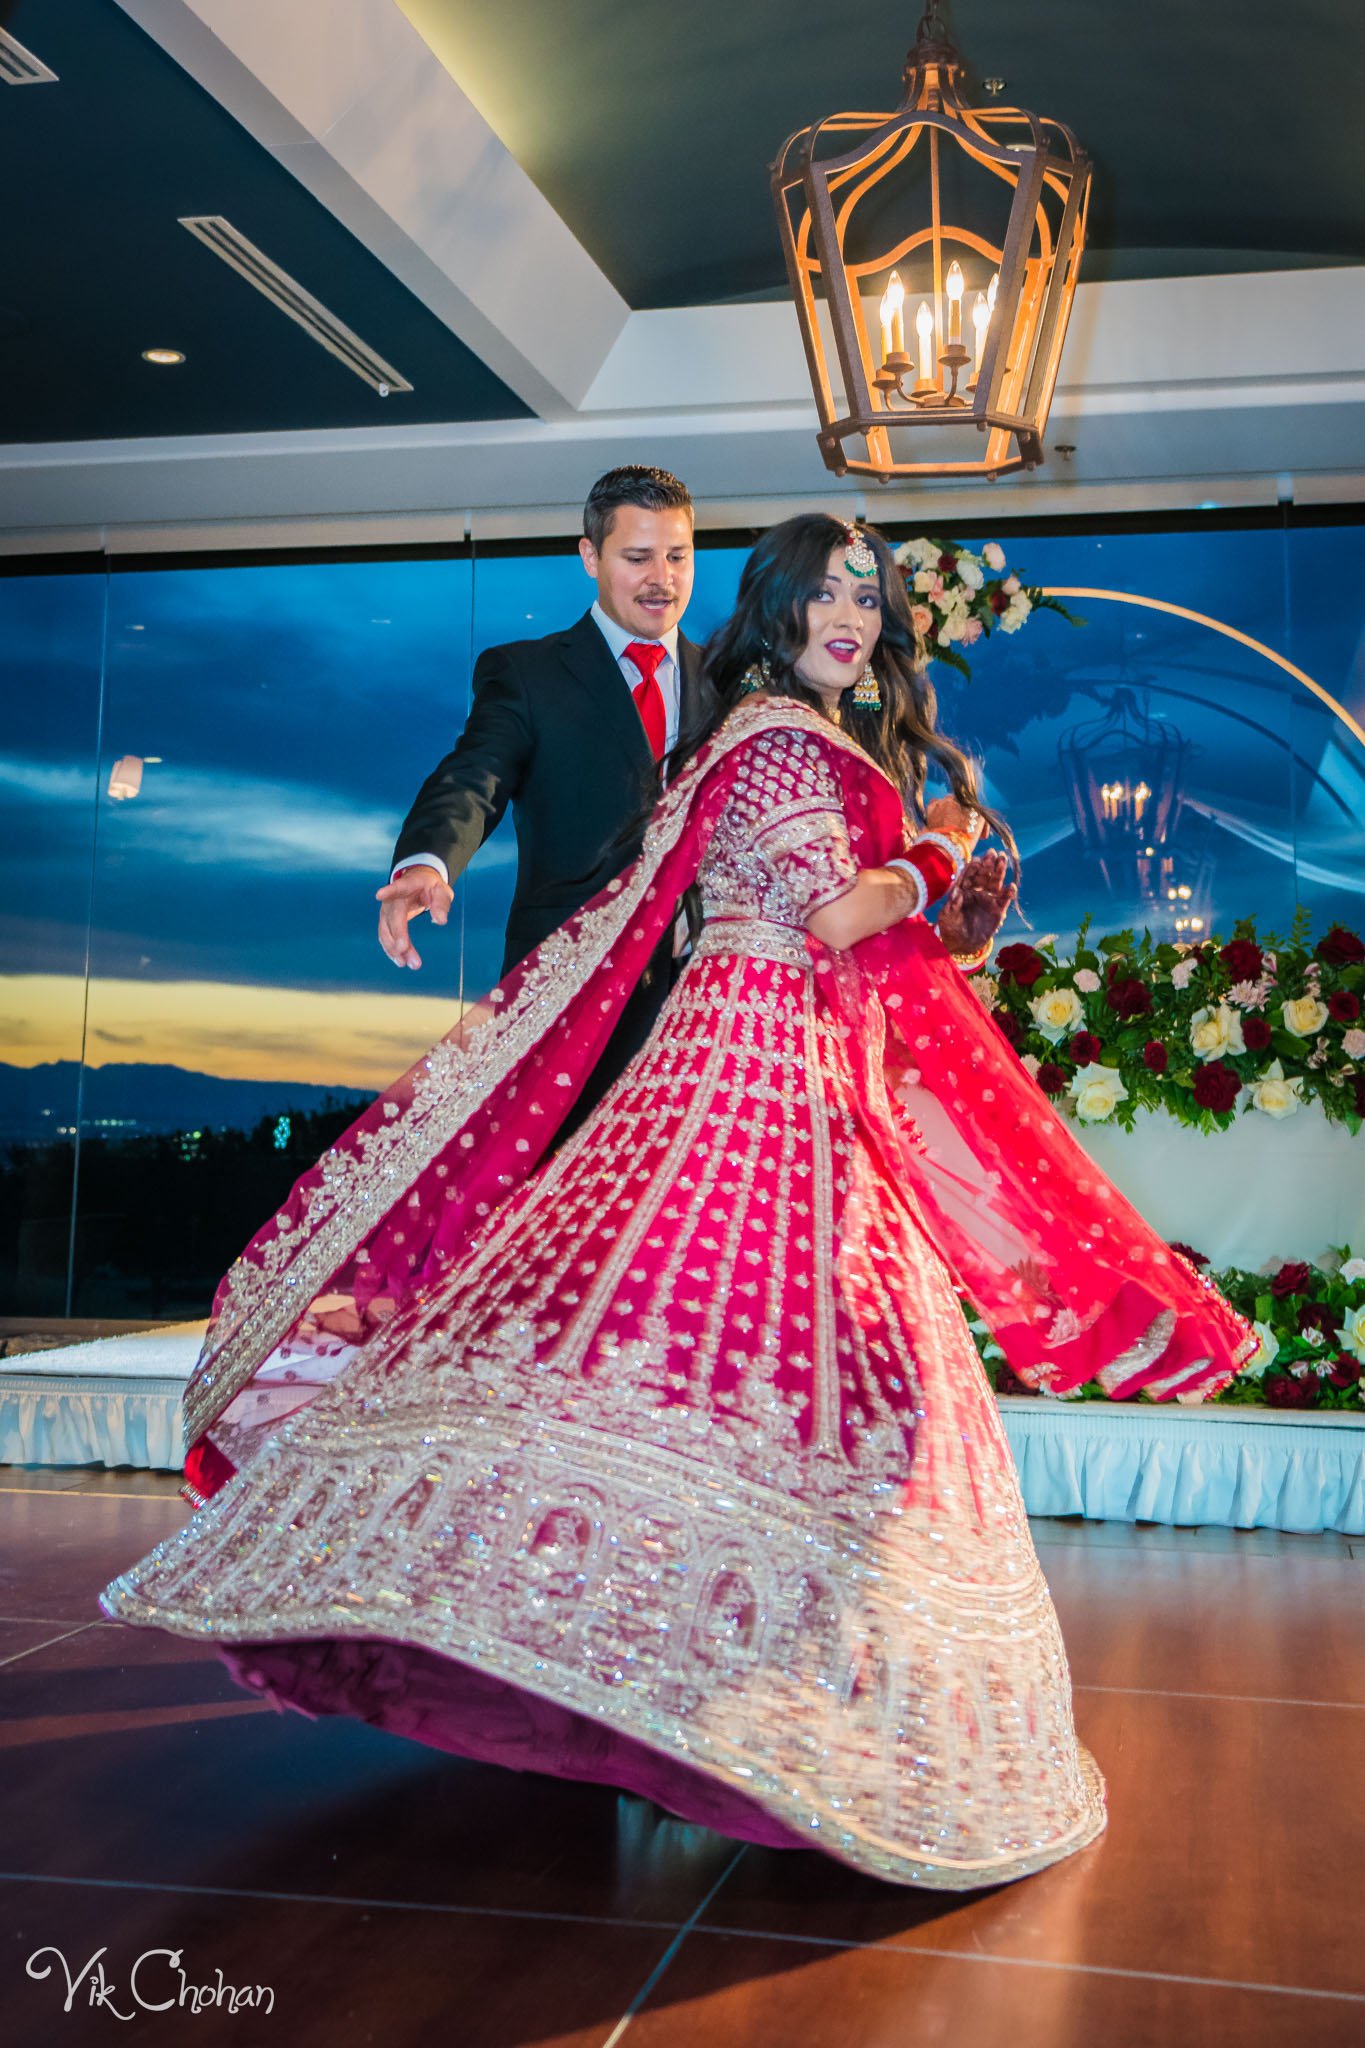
point(936, 869)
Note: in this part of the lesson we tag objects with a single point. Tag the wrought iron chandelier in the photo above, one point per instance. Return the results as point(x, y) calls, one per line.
point(1124, 772)
point(933, 255)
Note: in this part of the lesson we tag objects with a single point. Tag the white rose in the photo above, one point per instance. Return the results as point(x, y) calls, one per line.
point(1273, 1095)
point(1265, 1354)
point(1304, 1016)
point(1095, 1091)
point(1215, 1031)
point(1056, 1012)
point(1018, 610)
point(993, 555)
point(1087, 981)
point(1354, 1269)
point(1182, 974)
point(1352, 1333)
point(970, 572)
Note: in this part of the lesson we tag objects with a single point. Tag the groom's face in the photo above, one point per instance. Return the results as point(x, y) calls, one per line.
point(644, 569)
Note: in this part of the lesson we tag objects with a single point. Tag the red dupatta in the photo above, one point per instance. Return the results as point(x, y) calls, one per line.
point(1072, 1282)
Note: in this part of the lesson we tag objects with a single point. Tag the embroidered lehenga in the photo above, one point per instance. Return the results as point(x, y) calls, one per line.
point(666, 1460)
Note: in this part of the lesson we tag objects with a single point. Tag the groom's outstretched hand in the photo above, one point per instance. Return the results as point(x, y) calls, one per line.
point(974, 908)
point(410, 893)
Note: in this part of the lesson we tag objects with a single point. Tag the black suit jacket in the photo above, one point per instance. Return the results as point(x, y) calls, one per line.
point(553, 732)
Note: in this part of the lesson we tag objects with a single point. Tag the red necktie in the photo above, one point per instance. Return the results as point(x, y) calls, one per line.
point(649, 695)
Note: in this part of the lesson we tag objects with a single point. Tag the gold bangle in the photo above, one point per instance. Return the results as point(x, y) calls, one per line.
point(969, 962)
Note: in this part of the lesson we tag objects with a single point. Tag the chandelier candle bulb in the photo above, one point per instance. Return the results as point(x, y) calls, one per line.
point(981, 320)
point(957, 284)
point(893, 317)
point(924, 329)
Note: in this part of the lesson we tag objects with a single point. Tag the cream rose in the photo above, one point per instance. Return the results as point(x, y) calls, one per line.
point(1273, 1095)
point(1215, 1031)
point(1087, 981)
point(1352, 1333)
point(1055, 1012)
point(1353, 1045)
point(993, 555)
point(1304, 1015)
point(1095, 1091)
point(1265, 1354)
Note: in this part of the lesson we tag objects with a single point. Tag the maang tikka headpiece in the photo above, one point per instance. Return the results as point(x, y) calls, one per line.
point(860, 559)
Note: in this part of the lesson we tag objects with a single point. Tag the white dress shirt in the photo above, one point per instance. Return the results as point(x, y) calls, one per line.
point(618, 639)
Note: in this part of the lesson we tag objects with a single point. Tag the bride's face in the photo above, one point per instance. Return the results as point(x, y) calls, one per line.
point(843, 625)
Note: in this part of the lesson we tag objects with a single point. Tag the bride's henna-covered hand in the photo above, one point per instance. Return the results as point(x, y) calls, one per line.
point(976, 905)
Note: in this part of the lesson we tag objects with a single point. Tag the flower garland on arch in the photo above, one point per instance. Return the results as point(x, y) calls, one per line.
point(958, 597)
point(1311, 1324)
point(1256, 1026)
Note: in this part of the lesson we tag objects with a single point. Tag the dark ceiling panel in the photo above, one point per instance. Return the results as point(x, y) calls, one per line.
point(1227, 133)
point(95, 172)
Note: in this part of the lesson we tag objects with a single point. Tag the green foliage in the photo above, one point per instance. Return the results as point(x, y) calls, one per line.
point(1152, 996)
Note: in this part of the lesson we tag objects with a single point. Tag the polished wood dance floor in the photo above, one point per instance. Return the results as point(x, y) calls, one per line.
point(391, 1896)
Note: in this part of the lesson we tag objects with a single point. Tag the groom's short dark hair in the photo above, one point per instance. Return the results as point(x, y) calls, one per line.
point(653, 490)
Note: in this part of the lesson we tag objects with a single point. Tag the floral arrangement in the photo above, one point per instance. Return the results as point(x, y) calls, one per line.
point(1311, 1323)
point(958, 597)
point(1205, 1032)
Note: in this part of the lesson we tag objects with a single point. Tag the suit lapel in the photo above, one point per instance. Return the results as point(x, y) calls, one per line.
point(689, 663)
point(589, 660)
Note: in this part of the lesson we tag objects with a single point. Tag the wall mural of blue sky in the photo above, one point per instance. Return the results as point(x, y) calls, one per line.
point(284, 715)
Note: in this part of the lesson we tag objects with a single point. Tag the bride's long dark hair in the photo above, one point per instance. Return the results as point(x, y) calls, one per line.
point(769, 626)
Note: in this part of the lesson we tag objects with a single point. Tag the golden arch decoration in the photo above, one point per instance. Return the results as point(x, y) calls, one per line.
point(1180, 611)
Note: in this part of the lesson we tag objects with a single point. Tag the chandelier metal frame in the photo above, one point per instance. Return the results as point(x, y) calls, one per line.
point(824, 174)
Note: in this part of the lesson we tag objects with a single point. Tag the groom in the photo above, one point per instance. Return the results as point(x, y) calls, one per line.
point(569, 731)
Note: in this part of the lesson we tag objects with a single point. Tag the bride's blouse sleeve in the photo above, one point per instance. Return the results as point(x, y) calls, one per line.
point(790, 802)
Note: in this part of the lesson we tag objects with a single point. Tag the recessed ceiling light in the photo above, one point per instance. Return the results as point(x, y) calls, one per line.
point(162, 355)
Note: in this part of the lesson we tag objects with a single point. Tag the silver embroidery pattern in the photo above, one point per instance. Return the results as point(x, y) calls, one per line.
point(692, 1440)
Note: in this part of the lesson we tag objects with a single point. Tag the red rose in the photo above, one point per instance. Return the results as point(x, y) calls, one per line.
point(1216, 1087)
point(1315, 1315)
point(1243, 961)
point(1085, 1048)
point(1130, 998)
point(1051, 1078)
point(1340, 948)
point(1255, 1034)
point(999, 602)
point(1282, 1390)
point(1344, 1373)
point(947, 564)
point(1010, 1028)
point(1154, 1056)
point(1291, 1279)
point(1187, 1251)
point(1020, 964)
point(1342, 1005)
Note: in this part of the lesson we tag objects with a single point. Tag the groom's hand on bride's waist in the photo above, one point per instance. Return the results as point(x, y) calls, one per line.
point(412, 890)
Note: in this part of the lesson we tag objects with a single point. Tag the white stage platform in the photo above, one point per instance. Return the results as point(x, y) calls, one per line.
point(117, 1402)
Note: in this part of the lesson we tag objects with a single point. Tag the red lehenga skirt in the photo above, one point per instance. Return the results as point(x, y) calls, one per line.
point(670, 1463)
point(568, 1514)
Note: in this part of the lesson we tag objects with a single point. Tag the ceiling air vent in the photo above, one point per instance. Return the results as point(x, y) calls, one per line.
point(19, 66)
point(285, 292)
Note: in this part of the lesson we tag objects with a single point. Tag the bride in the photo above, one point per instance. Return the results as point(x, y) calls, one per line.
point(664, 1459)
